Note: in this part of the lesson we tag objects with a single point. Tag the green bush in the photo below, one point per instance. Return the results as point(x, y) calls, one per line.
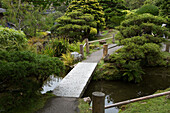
point(141, 36)
point(148, 9)
point(22, 75)
point(11, 39)
point(57, 47)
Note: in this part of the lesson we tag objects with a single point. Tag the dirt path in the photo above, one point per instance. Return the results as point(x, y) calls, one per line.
point(60, 105)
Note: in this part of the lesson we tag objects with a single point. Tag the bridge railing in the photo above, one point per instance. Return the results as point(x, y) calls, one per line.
point(98, 100)
point(87, 42)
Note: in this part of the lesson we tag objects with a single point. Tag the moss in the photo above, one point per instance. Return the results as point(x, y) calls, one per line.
point(155, 105)
point(83, 107)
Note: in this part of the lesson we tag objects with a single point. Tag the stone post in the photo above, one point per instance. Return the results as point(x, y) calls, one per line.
point(81, 50)
point(98, 104)
point(87, 46)
point(105, 50)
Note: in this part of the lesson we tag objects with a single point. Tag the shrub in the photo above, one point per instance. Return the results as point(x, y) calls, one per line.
point(22, 75)
point(57, 47)
point(141, 36)
point(148, 9)
point(11, 39)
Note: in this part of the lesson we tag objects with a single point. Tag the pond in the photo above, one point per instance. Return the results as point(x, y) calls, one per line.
point(51, 83)
point(155, 79)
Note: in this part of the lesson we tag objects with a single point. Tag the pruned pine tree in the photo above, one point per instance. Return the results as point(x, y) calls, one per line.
point(113, 10)
point(89, 7)
point(76, 26)
point(141, 37)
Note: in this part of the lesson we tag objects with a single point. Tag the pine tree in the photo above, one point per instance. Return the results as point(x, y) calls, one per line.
point(90, 7)
point(23, 16)
point(76, 26)
point(113, 10)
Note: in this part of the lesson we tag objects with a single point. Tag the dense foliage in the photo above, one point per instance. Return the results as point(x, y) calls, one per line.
point(162, 4)
point(82, 18)
point(75, 25)
point(47, 3)
point(57, 47)
point(11, 39)
point(27, 17)
point(148, 9)
point(22, 75)
point(141, 36)
point(134, 4)
point(113, 10)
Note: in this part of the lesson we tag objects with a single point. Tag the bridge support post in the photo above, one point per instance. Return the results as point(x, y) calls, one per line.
point(98, 104)
point(81, 50)
point(167, 48)
point(105, 50)
point(87, 46)
point(113, 39)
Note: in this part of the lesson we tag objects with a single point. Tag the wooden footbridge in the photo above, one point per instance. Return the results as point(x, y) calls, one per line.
point(76, 81)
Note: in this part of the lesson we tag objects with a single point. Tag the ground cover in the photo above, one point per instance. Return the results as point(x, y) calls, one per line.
point(34, 104)
point(83, 106)
point(155, 105)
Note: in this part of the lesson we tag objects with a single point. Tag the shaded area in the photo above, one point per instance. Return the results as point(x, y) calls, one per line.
point(60, 105)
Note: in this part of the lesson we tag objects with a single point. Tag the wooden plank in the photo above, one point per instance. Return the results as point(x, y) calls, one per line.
point(99, 40)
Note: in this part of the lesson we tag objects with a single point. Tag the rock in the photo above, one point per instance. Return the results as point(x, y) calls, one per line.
point(87, 99)
point(97, 48)
point(76, 56)
point(168, 96)
point(102, 42)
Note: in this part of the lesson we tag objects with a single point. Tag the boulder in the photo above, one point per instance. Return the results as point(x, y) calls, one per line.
point(87, 99)
point(76, 56)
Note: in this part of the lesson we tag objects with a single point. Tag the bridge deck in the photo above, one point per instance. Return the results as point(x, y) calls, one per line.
point(74, 84)
point(76, 81)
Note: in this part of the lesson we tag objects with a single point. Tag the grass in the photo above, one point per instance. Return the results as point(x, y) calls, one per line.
point(34, 105)
point(105, 32)
point(83, 106)
point(155, 105)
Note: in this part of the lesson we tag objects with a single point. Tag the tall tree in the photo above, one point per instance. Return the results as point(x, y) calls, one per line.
point(113, 10)
point(47, 3)
point(134, 4)
point(23, 15)
point(75, 25)
point(89, 7)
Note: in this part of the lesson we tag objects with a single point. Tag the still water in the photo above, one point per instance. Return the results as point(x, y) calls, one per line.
point(154, 79)
point(116, 91)
point(51, 83)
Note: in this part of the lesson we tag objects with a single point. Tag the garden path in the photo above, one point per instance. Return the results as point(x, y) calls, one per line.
point(67, 101)
point(76, 81)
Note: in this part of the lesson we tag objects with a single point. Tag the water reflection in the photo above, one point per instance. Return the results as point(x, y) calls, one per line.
point(116, 91)
point(51, 83)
